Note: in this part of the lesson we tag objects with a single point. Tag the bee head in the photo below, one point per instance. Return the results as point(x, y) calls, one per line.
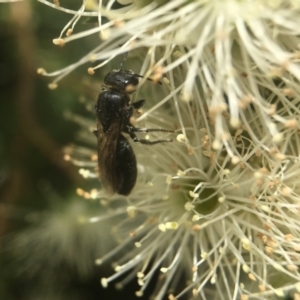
point(124, 81)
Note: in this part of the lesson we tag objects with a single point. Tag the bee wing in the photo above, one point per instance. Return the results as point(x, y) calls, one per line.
point(107, 151)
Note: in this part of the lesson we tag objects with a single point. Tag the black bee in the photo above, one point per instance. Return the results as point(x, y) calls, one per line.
point(116, 159)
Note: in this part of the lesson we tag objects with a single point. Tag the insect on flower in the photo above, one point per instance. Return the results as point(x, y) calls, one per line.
point(116, 159)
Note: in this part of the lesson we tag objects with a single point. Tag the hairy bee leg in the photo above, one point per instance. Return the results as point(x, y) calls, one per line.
point(147, 142)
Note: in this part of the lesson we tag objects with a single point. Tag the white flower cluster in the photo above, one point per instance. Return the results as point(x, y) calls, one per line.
point(215, 214)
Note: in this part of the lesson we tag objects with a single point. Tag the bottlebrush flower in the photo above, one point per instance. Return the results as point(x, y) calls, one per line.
point(215, 214)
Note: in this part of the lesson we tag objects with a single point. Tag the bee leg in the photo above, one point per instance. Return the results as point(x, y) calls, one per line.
point(138, 104)
point(131, 128)
point(146, 142)
point(136, 129)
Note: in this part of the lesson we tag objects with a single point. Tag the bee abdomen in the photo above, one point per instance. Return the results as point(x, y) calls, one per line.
point(126, 166)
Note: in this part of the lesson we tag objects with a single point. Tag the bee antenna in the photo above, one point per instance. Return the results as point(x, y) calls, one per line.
point(124, 58)
point(137, 75)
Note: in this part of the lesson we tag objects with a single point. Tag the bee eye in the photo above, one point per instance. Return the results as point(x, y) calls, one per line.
point(133, 80)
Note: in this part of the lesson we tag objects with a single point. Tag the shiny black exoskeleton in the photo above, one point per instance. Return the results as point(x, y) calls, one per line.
point(116, 159)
